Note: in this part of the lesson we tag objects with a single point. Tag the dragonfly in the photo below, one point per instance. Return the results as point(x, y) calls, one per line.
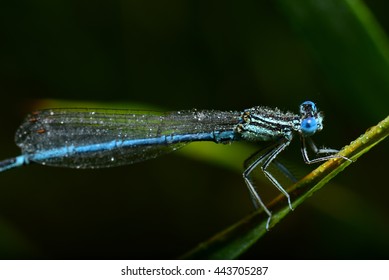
point(100, 138)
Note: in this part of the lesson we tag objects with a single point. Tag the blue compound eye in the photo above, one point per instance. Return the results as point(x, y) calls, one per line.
point(309, 126)
point(308, 107)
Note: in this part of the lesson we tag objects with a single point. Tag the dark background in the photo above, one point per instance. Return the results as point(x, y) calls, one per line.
point(182, 55)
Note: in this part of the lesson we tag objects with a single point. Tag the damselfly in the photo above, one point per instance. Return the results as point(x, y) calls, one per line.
point(97, 138)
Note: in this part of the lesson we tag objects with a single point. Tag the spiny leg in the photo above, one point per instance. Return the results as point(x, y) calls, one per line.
point(268, 156)
point(274, 153)
point(254, 157)
point(257, 201)
point(317, 151)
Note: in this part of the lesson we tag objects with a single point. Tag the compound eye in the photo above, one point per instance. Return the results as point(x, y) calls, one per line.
point(308, 107)
point(309, 126)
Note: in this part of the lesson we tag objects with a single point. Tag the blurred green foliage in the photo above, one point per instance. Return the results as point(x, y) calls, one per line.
point(182, 55)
